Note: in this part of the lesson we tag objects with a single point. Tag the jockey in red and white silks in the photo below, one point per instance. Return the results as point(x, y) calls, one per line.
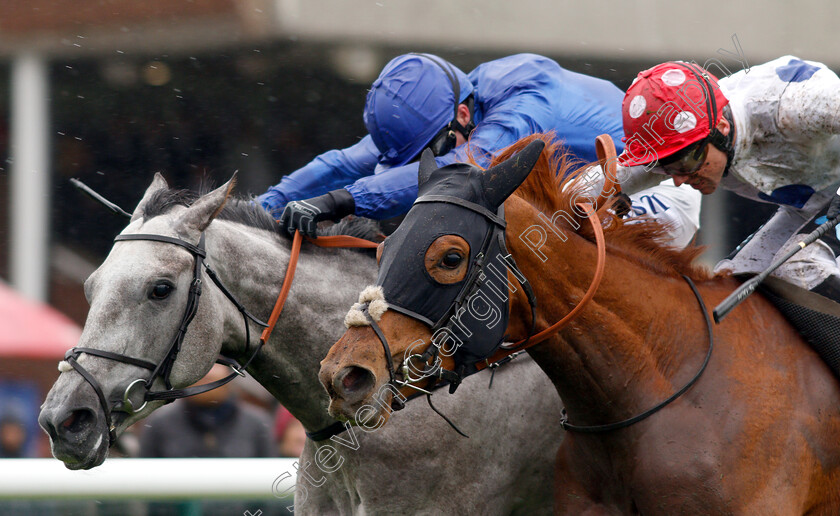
point(770, 133)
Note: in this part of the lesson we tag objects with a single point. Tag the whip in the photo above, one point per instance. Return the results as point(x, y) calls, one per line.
point(98, 198)
point(742, 292)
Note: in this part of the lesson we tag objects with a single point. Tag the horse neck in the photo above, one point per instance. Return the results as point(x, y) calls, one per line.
point(616, 357)
point(253, 268)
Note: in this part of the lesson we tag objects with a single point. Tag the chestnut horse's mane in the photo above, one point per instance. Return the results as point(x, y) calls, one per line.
point(554, 184)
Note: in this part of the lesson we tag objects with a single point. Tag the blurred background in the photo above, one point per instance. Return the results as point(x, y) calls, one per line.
point(111, 91)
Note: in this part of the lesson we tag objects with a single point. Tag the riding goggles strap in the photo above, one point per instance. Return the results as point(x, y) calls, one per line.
point(715, 137)
point(444, 141)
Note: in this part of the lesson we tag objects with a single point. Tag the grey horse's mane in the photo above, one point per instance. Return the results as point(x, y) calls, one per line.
point(250, 213)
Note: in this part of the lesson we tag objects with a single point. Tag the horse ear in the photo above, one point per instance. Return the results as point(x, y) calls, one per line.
point(427, 166)
point(207, 207)
point(158, 183)
point(503, 179)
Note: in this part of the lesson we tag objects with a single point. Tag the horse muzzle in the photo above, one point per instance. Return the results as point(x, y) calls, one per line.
point(78, 435)
point(350, 387)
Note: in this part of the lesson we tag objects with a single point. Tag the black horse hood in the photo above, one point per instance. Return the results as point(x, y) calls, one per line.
point(468, 318)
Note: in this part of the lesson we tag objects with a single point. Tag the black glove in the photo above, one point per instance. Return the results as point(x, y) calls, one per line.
point(833, 207)
point(305, 215)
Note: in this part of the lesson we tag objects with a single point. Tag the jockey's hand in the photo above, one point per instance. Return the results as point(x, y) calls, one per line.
point(305, 215)
point(834, 207)
point(622, 204)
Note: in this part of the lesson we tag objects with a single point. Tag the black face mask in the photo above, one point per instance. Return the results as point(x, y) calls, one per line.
point(469, 318)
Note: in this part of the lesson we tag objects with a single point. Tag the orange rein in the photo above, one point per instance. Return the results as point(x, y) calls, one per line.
point(590, 293)
point(324, 241)
point(605, 149)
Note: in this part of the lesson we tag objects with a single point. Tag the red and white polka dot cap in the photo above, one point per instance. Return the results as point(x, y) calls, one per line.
point(667, 108)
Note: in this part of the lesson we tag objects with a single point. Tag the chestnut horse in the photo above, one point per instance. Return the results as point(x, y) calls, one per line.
point(758, 433)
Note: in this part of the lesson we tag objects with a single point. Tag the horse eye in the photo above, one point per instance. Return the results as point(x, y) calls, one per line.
point(451, 260)
point(161, 291)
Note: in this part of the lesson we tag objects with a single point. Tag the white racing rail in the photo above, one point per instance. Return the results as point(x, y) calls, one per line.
point(150, 479)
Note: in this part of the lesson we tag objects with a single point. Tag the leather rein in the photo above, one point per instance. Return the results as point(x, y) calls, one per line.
point(607, 158)
point(163, 369)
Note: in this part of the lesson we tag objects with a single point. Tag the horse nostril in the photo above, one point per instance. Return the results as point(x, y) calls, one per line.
point(354, 380)
point(78, 421)
point(50, 429)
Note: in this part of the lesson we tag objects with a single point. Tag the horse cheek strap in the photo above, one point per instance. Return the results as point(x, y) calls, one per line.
point(164, 367)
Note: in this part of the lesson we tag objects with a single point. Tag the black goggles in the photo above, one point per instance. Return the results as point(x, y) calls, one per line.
point(443, 142)
point(686, 161)
point(446, 140)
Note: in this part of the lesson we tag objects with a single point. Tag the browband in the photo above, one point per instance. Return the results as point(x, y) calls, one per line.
point(481, 210)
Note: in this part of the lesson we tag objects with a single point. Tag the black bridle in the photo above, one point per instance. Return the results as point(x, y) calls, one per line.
point(496, 224)
point(596, 429)
point(126, 405)
point(163, 369)
point(477, 276)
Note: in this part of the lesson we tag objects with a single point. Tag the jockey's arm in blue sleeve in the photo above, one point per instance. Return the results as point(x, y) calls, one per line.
point(391, 192)
point(329, 171)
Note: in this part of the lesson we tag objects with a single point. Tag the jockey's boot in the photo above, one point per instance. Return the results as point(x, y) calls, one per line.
point(829, 288)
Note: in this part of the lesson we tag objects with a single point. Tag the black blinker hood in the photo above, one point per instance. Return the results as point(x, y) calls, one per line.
point(468, 318)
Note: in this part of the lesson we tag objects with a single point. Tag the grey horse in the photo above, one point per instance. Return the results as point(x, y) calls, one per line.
point(412, 466)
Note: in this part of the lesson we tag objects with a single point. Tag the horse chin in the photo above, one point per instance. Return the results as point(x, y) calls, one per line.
point(73, 456)
point(341, 410)
point(371, 415)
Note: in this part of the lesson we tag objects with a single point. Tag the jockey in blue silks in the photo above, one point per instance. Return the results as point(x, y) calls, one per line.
point(421, 101)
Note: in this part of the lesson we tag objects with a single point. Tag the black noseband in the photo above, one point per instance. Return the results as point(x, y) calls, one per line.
point(163, 369)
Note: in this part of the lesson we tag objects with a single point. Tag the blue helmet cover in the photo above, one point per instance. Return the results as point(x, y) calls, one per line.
point(410, 102)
